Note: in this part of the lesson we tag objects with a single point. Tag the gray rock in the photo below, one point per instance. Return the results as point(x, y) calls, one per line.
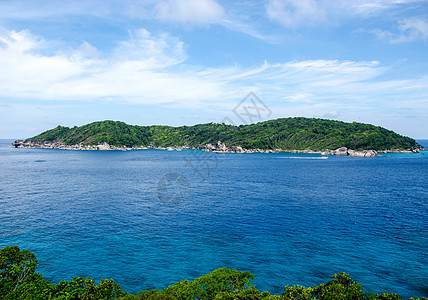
point(370, 153)
point(18, 143)
point(341, 151)
point(103, 146)
point(220, 146)
point(208, 147)
point(356, 153)
point(237, 149)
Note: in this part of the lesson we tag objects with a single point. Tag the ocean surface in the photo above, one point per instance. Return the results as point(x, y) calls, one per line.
point(150, 218)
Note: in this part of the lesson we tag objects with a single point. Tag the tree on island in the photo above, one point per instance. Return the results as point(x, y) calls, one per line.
point(19, 281)
point(286, 134)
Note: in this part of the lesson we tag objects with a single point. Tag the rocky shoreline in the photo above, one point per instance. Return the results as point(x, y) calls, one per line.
point(219, 147)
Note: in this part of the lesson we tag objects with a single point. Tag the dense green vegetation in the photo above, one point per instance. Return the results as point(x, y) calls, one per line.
point(287, 134)
point(18, 280)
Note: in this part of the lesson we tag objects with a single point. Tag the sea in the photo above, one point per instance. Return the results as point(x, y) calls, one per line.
point(150, 218)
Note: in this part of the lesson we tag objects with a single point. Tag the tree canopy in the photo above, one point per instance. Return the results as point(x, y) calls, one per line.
point(286, 134)
point(19, 281)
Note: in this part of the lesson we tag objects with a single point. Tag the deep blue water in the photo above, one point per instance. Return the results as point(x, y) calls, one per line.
point(287, 218)
point(424, 142)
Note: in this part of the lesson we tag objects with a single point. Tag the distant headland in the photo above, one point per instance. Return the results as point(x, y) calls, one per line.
point(297, 135)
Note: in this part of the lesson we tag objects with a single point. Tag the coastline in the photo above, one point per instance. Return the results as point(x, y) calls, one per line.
point(218, 148)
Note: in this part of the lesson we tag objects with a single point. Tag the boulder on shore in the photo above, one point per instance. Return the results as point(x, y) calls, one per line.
point(363, 153)
point(17, 143)
point(341, 151)
point(356, 153)
point(103, 146)
point(370, 153)
point(238, 149)
point(221, 146)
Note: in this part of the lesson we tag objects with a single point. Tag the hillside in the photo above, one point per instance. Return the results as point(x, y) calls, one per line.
point(287, 133)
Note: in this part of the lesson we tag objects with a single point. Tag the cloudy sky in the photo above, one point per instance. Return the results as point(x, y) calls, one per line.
point(177, 62)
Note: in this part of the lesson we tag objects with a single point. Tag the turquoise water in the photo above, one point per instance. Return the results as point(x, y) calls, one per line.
point(151, 218)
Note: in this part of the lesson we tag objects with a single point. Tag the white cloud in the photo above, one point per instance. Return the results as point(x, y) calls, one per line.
point(407, 30)
point(300, 98)
point(311, 13)
point(411, 30)
point(367, 8)
point(87, 50)
point(23, 67)
point(294, 13)
point(194, 12)
point(152, 69)
point(185, 13)
point(32, 10)
point(233, 24)
point(154, 51)
point(135, 72)
point(189, 11)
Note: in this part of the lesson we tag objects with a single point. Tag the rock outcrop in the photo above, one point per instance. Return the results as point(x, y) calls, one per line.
point(341, 151)
point(370, 153)
point(218, 147)
point(221, 147)
point(364, 153)
point(103, 146)
point(237, 149)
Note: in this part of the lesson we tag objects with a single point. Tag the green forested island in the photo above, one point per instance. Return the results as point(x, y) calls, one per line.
point(284, 134)
point(19, 280)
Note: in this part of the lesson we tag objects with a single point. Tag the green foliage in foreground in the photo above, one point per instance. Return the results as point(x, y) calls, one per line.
point(287, 134)
point(19, 281)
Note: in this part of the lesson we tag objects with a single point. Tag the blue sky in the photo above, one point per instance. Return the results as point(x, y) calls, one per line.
point(182, 62)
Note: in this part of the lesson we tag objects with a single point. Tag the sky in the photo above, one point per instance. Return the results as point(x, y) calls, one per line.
point(184, 62)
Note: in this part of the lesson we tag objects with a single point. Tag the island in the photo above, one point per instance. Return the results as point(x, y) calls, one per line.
point(297, 135)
